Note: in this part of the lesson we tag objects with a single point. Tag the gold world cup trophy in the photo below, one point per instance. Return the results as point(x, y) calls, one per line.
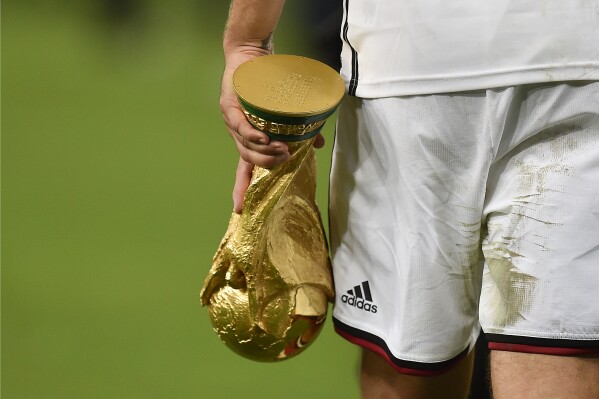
point(270, 282)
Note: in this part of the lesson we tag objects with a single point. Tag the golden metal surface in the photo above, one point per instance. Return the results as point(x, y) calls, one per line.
point(288, 85)
point(270, 282)
point(280, 128)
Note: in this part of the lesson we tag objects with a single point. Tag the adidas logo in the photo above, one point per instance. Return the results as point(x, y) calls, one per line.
point(360, 297)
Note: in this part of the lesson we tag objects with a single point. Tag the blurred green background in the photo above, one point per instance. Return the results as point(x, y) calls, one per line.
point(116, 181)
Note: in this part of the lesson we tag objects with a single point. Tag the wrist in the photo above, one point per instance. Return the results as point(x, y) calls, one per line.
point(258, 47)
point(237, 54)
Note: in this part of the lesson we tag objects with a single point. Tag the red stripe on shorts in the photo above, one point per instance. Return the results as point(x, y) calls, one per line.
point(426, 370)
point(542, 350)
point(543, 346)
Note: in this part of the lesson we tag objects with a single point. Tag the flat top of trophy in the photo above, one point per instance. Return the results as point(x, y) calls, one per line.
point(288, 85)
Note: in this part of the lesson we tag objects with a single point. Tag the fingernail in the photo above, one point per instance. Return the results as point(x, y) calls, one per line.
point(283, 157)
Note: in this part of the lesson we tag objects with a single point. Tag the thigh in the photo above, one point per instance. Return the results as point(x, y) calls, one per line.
point(531, 376)
point(378, 380)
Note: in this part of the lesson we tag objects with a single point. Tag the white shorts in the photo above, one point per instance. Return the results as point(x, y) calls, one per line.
point(441, 202)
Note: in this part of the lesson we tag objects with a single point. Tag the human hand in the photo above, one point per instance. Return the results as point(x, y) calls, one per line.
point(243, 176)
point(254, 147)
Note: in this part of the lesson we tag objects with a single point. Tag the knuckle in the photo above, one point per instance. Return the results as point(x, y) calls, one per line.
point(247, 158)
point(243, 152)
point(269, 162)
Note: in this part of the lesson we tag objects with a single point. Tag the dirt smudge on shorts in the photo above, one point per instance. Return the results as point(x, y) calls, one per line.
point(512, 291)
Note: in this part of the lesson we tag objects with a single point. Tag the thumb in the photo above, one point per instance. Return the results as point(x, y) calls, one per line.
point(243, 175)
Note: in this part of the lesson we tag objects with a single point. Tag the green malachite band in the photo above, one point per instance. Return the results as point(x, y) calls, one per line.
point(287, 120)
point(293, 137)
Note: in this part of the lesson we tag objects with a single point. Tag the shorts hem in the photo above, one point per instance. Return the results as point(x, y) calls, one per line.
point(542, 346)
point(376, 344)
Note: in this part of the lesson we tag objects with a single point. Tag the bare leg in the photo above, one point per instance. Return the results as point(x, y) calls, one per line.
point(531, 376)
point(380, 381)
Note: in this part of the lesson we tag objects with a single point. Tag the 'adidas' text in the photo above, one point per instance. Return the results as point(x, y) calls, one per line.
point(359, 300)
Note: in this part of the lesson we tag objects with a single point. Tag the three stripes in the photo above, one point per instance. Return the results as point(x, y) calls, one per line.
point(361, 291)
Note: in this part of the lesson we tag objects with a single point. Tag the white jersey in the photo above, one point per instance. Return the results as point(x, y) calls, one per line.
point(408, 47)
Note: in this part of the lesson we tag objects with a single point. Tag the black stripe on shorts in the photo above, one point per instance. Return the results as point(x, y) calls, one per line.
point(376, 344)
point(547, 346)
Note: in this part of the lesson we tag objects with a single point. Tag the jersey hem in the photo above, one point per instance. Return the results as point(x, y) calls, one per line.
point(449, 84)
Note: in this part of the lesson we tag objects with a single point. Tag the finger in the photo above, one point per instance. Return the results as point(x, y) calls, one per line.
point(260, 159)
point(248, 137)
point(243, 176)
point(249, 142)
point(237, 122)
point(272, 148)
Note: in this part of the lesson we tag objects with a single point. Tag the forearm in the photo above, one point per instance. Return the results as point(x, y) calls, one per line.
point(251, 24)
point(248, 34)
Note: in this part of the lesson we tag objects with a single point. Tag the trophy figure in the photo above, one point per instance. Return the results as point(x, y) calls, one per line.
point(270, 283)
